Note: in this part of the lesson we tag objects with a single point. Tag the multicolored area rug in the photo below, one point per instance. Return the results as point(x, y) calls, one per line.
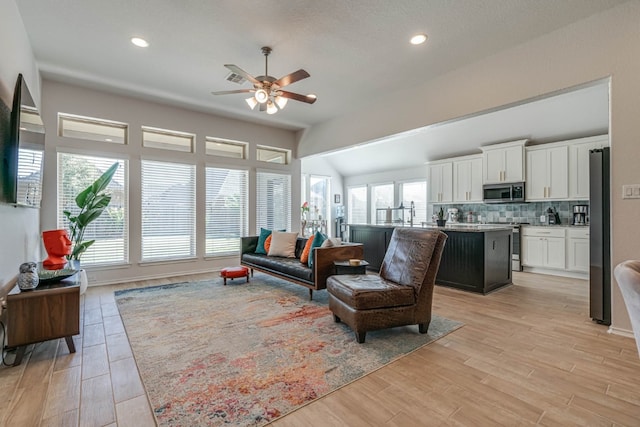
point(246, 354)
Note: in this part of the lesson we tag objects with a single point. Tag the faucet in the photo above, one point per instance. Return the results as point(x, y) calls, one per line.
point(412, 213)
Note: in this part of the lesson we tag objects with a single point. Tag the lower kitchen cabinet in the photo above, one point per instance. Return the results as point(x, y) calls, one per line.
point(578, 249)
point(544, 247)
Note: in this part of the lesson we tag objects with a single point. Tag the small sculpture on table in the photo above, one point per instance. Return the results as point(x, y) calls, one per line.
point(58, 246)
point(28, 278)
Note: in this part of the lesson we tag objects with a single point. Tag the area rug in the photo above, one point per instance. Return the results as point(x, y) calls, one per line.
point(247, 353)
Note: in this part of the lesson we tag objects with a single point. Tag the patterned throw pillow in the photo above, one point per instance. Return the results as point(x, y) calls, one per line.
point(304, 258)
point(267, 243)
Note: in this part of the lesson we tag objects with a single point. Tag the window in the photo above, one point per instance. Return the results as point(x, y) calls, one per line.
point(29, 177)
point(381, 198)
point(357, 205)
point(226, 148)
point(111, 229)
point(415, 192)
point(272, 155)
point(92, 129)
point(168, 210)
point(227, 215)
point(273, 200)
point(319, 198)
point(167, 139)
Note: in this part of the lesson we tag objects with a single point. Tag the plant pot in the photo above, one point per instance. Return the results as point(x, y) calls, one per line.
point(441, 222)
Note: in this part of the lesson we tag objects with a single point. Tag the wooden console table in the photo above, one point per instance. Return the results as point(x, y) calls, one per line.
point(45, 313)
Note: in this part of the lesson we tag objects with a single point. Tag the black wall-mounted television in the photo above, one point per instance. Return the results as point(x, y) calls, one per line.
point(23, 151)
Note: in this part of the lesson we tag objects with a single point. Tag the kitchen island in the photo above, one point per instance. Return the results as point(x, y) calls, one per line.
point(476, 257)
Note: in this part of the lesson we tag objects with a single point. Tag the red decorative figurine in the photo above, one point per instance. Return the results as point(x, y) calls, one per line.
point(58, 245)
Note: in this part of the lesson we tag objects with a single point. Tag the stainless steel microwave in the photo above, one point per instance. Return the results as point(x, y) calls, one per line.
point(503, 193)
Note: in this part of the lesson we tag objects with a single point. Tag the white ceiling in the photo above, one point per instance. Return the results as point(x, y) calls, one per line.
point(349, 47)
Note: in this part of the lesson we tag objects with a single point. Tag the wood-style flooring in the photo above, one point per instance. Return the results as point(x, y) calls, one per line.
point(527, 355)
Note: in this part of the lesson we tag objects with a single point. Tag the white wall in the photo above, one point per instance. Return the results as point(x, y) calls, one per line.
point(20, 226)
point(60, 97)
point(606, 44)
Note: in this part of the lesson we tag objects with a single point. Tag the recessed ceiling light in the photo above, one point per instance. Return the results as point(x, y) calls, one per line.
point(419, 39)
point(139, 42)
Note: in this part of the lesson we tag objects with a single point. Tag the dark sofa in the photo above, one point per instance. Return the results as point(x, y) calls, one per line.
point(292, 269)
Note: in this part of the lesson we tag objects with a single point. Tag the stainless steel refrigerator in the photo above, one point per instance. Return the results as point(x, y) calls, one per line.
point(599, 237)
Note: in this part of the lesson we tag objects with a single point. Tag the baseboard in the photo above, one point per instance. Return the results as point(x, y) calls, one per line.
point(562, 273)
point(152, 277)
point(622, 332)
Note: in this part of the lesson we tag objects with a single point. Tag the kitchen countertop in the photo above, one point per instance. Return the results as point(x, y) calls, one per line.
point(466, 227)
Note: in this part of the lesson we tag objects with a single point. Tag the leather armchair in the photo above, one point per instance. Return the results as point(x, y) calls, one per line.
point(401, 294)
point(627, 275)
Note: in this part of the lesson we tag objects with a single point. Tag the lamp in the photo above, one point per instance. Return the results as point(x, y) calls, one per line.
point(261, 96)
point(271, 107)
point(281, 101)
point(252, 102)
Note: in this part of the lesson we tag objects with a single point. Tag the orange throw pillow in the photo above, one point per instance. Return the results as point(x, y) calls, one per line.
point(304, 258)
point(267, 243)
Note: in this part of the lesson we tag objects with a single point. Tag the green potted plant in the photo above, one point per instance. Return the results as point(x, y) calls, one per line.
point(92, 202)
point(441, 221)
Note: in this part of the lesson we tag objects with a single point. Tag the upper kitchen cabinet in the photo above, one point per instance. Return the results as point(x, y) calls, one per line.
point(503, 162)
point(579, 164)
point(440, 176)
point(467, 179)
point(547, 172)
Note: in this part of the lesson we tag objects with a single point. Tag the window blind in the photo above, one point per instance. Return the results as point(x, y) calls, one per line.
point(30, 176)
point(273, 201)
point(111, 229)
point(227, 215)
point(168, 210)
point(357, 205)
point(415, 192)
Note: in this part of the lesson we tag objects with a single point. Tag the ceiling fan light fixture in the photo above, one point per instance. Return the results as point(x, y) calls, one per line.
point(271, 107)
point(261, 96)
point(139, 41)
point(281, 101)
point(252, 102)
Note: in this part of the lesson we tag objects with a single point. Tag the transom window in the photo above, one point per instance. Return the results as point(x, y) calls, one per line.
point(226, 148)
point(272, 155)
point(167, 139)
point(89, 128)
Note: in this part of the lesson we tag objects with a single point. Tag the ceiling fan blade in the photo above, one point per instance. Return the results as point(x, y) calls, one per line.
point(228, 92)
point(243, 73)
point(292, 78)
point(303, 98)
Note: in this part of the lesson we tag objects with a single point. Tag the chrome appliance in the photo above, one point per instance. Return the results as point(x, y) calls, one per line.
point(580, 214)
point(516, 245)
point(503, 193)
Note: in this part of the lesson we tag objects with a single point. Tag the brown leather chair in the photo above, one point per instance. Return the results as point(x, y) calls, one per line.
point(401, 294)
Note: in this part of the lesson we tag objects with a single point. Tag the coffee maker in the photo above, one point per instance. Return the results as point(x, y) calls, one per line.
point(580, 214)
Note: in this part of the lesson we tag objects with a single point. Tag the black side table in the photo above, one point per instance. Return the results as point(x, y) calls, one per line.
point(343, 267)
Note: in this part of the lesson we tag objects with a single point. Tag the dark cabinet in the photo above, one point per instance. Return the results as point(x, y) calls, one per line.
point(375, 241)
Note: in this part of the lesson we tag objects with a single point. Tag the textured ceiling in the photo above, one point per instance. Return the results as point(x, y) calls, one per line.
point(350, 48)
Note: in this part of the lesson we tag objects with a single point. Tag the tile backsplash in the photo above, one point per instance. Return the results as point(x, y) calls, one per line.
point(513, 212)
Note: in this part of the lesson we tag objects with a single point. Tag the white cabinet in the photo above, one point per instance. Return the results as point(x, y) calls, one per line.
point(579, 164)
point(543, 247)
point(547, 173)
point(467, 179)
point(503, 162)
point(578, 249)
point(440, 182)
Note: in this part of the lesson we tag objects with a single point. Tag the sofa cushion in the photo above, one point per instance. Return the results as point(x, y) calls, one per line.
point(264, 233)
point(304, 258)
point(286, 266)
point(318, 240)
point(369, 291)
point(283, 244)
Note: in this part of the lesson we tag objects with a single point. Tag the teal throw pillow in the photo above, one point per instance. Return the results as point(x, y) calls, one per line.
point(264, 233)
point(318, 240)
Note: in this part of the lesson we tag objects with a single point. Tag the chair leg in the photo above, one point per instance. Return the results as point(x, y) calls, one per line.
point(310, 294)
point(360, 337)
point(423, 328)
point(336, 319)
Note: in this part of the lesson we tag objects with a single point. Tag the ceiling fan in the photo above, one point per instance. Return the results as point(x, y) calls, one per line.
point(267, 91)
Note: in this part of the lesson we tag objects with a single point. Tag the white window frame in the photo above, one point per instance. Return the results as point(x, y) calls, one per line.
point(350, 213)
point(420, 205)
point(113, 136)
point(168, 136)
point(279, 153)
point(226, 142)
point(265, 209)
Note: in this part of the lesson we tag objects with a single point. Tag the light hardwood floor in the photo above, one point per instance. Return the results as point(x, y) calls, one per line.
point(528, 354)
